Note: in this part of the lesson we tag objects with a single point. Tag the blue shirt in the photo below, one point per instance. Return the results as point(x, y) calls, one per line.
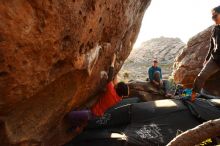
point(151, 72)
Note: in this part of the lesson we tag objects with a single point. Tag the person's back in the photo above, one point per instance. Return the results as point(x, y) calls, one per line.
point(107, 100)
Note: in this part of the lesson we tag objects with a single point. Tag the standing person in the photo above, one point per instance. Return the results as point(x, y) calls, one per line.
point(212, 61)
point(113, 94)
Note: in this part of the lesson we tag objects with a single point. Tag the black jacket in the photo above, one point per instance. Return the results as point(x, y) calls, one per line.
point(214, 50)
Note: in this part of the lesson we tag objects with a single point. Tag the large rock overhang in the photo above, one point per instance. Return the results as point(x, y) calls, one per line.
point(51, 56)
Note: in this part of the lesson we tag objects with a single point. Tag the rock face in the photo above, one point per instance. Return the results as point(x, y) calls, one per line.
point(165, 49)
point(190, 62)
point(51, 56)
point(145, 91)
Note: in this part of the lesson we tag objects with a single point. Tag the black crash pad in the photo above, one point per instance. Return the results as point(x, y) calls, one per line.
point(146, 123)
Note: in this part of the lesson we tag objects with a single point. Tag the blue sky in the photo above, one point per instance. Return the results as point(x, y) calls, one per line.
point(176, 18)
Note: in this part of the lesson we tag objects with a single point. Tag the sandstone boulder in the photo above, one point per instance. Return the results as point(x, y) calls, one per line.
point(145, 91)
point(190, 62)
point(51, 56)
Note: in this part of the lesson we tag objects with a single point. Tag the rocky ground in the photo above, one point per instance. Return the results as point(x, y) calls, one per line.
point(163, 48)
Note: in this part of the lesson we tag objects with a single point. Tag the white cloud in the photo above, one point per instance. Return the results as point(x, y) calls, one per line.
point(176, 18)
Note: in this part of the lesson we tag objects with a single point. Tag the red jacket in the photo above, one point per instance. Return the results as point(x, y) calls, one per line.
point(109, 99)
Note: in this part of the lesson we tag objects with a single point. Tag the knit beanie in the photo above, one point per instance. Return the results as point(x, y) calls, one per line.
point(217, 9)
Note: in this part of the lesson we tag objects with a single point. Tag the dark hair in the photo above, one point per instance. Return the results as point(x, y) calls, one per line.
point(217, 9)
point(122, 89)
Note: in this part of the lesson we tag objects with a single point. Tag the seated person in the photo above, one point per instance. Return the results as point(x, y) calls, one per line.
point(112, 95)
point(155, 76)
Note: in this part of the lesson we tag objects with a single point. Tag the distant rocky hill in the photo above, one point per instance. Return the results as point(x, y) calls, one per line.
point(163, 48)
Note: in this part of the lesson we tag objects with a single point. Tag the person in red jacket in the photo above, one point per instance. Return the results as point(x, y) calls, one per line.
point(112, 95)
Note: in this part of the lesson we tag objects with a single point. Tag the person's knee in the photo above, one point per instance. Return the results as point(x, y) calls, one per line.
point(157, 73)
point(201, 79)
point(198, 80)
point(208, 70)
point(157, 76)
point(198, 83)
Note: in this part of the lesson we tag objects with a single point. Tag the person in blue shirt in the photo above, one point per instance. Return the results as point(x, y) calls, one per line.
point(155, 77)
point(155, 74)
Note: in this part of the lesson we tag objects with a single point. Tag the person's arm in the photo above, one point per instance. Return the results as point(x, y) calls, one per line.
point(111, 69)
point(160, 74)
point(210, 50)
point(150, 74)
point(161, 78)
point(211, 47)
point(115, 80)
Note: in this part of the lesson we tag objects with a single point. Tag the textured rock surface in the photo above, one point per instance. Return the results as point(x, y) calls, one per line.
point(51, 55)
point(165, 49)
point(189, 63)
point(145, 91)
